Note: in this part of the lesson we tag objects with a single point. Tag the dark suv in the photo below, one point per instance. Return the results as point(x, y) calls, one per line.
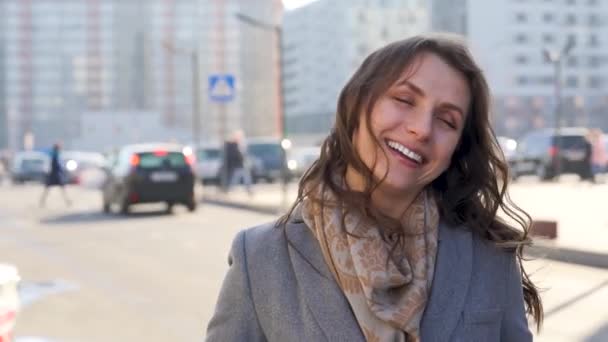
point(150, 173)
point(539, 152)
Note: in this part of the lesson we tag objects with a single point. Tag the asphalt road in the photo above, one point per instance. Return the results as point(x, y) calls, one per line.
point(154, 276)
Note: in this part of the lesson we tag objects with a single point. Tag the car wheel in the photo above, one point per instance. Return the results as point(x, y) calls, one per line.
point(191, 205)
point(170, 207)
point(542, 172)
point(106, 207)
point(125, 207)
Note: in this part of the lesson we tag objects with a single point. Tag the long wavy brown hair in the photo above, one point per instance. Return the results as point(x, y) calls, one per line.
point(473, 189)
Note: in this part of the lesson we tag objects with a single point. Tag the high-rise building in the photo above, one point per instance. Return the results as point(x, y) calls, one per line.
point(58, 62)
point(508, 38)
point(3, 111)
point(326, 41)
point(68, 58)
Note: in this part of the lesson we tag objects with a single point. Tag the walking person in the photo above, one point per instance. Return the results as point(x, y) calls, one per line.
point(599, 156)
point(242, 172)
point(55, 177)
point(394, 235)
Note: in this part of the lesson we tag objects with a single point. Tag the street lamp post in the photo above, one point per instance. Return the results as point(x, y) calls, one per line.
point(285, 143)
point(556, 58)
point(196, 113)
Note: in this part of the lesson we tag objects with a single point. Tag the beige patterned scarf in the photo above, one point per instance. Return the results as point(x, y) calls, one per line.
point(387, 292)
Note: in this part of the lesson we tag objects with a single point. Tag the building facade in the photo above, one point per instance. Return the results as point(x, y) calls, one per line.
point(326, 41)
point(63, 59)
point(508, 38)
point(3, 111)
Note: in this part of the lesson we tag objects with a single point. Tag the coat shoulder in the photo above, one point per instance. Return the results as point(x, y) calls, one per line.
point(264, 243)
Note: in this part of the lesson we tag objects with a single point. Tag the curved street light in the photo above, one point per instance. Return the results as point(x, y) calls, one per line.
point(556, 58)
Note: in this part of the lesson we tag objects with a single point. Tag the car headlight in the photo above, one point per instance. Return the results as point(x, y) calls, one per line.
point(71, 165)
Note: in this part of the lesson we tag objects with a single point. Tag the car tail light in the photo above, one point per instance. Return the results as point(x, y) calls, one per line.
point(134, 160)
point(553, 151)
point(190, 159)
point(133, 197)
point(160, 153)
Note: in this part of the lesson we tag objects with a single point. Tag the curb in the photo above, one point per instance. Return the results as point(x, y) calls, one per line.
point(257, 208)
point(545, 250)
point(540, 249)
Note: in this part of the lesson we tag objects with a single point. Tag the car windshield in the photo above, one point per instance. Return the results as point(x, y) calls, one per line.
point(572, 141)
point(208, 153)
point(32, 164)
point(265, 150)
point(153, 160)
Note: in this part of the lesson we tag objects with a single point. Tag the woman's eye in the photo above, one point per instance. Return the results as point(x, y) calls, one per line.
point(449, 123)
point(405, 100)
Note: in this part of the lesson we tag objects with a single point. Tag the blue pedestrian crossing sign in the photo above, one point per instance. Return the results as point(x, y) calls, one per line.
point(221, 87)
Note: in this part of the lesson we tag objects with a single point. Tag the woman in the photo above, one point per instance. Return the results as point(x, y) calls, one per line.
point(394, 235)
point(55, 177)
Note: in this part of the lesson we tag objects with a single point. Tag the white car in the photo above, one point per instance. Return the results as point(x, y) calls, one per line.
point(301, 158)
point(208, 163)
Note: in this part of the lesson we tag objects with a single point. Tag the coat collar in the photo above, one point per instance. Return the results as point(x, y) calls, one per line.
point(331, 309)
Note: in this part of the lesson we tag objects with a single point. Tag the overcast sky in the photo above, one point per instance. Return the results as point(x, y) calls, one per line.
point(291, 4)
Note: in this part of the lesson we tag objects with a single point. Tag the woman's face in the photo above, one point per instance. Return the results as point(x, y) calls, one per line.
point(418, 122)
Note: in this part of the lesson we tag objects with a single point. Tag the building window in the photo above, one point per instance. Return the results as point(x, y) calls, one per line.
point(571, 2)
point(593, 41)
point(595, 82)
point(522, 80)
point(548, 38)
point(546, 80)
point(591, 2)
point(521, 59)
point(362, 18)
point(594, 61)
point(521, 38)
point(384, 33)
point(548, 17)
point(594, 20)
point(571, 19)
point(572, 82)
point(521, 17)
point(572, 61)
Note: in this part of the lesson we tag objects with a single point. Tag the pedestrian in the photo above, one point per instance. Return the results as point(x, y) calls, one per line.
point(235, 167)
point(55, 177)
point(599, 156)
point(394, 235)
point(242, 171)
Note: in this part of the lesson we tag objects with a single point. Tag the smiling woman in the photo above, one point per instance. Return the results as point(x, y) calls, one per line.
point(394, 235)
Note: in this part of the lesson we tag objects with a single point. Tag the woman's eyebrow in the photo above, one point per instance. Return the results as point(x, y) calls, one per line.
point(412, 86)
point(453, 107)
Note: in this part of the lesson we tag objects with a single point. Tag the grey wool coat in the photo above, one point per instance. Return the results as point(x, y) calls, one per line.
point(279, 288)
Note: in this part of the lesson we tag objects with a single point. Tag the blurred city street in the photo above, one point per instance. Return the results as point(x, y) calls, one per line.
point(152, 276)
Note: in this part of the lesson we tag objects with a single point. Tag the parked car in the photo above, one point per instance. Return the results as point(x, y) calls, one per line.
point(77, 163)
point(208, 163)
point(301, 158)
point(149, 173)
point(30, 166)
point(539, 151)
point(271, 158)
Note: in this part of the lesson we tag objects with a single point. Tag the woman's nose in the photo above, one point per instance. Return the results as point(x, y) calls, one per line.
point(421, 126)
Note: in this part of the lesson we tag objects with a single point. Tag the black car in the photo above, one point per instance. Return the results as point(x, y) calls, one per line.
point(150, 173)
point(539, 152)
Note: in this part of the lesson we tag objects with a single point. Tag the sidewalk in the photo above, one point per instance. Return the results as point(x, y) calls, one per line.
point(582, 222)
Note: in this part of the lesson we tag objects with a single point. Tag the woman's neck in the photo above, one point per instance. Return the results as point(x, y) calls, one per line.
point(390, 202)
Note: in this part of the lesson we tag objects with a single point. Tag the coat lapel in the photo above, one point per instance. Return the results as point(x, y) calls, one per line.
point(453, 269)
point(321, 292)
